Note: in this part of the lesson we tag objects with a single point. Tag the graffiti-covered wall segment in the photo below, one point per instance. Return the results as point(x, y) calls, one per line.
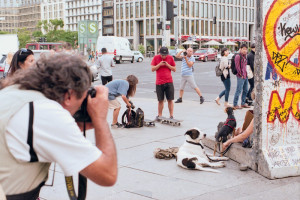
point(281, 94)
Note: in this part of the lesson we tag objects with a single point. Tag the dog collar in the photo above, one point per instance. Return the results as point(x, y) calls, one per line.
point(195, 144)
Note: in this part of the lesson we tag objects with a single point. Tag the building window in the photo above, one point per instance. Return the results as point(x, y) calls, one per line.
point(182, 7)
point(122, 29)
point(182, 27)
point(121, 11)
point(202, 27)
point(158, 30)
point(187, 8)
point(127, 28)
point(187, 27)
point(205, 10)
point(206, 28)
point(118, 29)
point(152, 8)
point(197, 9)
point(157, 7)
point(137, 9)
point(127, 11)
point(147, 26)
point(131, 28)
point(152, 26)
point(131, 10)
point(193, 27)
point(193, 9)
point(141, 9)
point(118, 10)
point(147, 9)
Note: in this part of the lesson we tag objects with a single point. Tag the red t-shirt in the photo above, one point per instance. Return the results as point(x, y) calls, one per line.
point(163, 74)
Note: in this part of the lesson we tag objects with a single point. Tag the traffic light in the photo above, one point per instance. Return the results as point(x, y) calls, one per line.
point(40, 39)
point(170, 10)
point(215, 20)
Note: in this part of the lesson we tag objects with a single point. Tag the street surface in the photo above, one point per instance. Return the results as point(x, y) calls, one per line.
point(143, 177)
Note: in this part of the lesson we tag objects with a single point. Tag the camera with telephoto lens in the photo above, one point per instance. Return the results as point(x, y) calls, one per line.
point(82, 115)
point(185, 53)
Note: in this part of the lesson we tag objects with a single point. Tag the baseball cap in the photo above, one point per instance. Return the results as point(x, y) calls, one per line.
point(164, 51)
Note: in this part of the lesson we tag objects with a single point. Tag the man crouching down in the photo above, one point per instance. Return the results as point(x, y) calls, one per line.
point(37, 127)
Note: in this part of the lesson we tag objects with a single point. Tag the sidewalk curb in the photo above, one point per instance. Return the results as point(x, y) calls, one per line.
point(237, 153)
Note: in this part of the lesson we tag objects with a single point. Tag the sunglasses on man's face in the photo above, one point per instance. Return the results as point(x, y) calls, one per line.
point(23, 50)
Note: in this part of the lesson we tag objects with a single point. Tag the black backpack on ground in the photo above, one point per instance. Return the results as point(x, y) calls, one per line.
point(233, 67)
point(133, 120)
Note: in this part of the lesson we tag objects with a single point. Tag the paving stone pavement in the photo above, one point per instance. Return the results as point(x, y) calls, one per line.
point(142, 177)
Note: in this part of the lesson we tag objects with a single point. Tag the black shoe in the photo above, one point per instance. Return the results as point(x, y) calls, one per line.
point(179, 100)
point(201, 100)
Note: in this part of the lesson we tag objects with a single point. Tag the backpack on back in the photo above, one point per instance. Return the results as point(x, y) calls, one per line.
point(233, 67)
point(219, 72)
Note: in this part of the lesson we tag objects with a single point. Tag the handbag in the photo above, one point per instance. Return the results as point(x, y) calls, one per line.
point(219, 72)
point(249, 72)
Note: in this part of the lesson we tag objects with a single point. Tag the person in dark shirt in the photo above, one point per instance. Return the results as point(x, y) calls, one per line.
point(250, 61)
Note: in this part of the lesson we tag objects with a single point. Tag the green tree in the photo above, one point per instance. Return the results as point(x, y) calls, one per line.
point(4, 32)
point(141, 49)
point(24, 36)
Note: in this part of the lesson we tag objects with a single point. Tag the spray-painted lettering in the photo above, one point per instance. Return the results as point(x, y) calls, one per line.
point(289, 32)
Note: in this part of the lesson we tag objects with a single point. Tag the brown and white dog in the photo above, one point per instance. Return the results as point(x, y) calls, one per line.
point(191, 154)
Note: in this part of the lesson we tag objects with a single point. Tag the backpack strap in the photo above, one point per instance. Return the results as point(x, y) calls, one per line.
point(33, 156)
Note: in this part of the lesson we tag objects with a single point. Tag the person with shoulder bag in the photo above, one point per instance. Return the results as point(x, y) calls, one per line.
point(225, 77)
point(250, 73)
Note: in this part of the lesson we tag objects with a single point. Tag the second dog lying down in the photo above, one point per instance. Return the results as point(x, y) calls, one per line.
point(191, 154)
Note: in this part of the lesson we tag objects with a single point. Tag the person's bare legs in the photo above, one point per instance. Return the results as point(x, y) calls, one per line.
point(181, 93)
point(198, 92)
point(160, 107)
point(115, 115)
point(171, 107)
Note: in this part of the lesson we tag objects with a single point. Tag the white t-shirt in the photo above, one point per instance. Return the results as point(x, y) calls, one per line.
point(105, 62)
point(56, 137)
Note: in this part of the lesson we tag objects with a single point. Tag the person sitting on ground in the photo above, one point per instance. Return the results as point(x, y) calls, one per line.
point(242, 133)
point(37, 127)
point(22, 59)
point(125, 89)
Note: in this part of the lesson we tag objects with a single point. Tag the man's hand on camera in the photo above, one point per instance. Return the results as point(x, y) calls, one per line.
point(97, 107)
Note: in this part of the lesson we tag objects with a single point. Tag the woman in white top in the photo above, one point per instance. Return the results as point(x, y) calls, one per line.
point(225, 77)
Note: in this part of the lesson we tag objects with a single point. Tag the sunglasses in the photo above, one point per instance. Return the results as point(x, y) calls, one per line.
point(23, 50)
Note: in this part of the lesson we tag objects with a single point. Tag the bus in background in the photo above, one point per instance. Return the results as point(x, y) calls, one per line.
point(43, 46)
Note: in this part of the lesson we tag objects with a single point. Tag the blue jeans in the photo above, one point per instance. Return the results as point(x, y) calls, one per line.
point(227, 84)
point(242, 84)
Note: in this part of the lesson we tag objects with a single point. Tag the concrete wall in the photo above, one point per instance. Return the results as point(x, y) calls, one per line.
point(280, 130)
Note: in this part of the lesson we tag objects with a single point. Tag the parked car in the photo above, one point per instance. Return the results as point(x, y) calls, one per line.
point(173, 53)
point(138, 56)
point(206, 54)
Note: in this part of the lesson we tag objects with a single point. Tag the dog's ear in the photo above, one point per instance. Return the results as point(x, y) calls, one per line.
point(193, 133)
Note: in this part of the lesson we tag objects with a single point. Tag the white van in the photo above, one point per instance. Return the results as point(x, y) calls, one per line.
point(117, 47)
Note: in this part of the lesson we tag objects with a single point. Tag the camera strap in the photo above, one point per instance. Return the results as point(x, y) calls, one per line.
point(82, 181)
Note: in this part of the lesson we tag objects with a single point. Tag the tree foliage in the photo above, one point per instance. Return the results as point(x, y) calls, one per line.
point(24, 36)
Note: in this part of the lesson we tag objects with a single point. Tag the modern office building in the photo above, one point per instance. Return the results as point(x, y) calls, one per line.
point(79, 10)
point(108, 18)
point(9, 20)
point(15, 14)
point(137, 20)
point(54, 9)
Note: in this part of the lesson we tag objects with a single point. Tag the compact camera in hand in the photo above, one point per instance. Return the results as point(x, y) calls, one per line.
point(185, 53)
point(82, 115)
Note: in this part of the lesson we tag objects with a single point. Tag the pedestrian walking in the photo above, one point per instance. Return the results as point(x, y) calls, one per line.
point(225, 77)
point(125, 89)
point(242, 80)
point(250, 73)
point(37, 127)
point(187, 69)
point(104, 64)
point(22, 59)
point(163, 64)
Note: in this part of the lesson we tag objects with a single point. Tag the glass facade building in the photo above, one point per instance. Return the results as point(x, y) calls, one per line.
point(137, 20)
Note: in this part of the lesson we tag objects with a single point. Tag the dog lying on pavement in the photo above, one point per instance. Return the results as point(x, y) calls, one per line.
point(191, 154)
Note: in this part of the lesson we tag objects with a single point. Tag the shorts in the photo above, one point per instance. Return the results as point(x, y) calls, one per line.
point(165, 89)
point(187, 79)
point(114, 104)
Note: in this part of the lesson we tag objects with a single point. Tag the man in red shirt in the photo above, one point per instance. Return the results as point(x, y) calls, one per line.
point(163, 64)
